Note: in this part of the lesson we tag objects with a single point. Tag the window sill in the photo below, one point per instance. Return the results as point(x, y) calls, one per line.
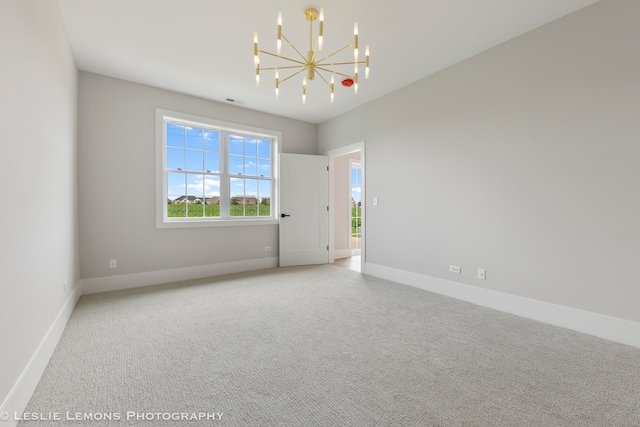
point(191, 223)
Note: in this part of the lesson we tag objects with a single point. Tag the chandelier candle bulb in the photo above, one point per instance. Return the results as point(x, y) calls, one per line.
point(258, 75)
point(256, 60)
point(366, 63)
point(304, 90)
point(277, 85)
point(279, 40)
point(332, 87)
point(321, 29)
point(355, 81)
point(355, 36)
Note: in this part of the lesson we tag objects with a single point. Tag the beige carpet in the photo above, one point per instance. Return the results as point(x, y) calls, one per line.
point(325, 346)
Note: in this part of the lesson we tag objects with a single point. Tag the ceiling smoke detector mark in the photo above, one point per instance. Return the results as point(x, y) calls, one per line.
point(347, 82)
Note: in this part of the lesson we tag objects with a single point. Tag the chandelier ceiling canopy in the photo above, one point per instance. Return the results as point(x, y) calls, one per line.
point(312, 64)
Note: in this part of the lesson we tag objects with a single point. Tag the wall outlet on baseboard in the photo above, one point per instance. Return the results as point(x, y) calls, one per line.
point(113, 263)
point(455, 269)
point(267, 248)
point(482, 274)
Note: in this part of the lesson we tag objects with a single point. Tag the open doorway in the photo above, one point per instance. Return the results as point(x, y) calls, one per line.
point(347, 212)
point(355, 176)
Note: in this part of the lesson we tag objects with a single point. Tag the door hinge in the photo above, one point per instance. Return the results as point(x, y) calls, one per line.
point(327, 168)
point(327, 207)
point(327, 247)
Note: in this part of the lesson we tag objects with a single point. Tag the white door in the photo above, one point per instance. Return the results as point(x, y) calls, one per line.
point(304, 216)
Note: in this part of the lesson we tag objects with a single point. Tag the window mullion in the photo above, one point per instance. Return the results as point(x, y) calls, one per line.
point(225, 192)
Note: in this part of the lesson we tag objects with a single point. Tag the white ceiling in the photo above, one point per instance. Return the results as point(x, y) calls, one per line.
point(205, 47)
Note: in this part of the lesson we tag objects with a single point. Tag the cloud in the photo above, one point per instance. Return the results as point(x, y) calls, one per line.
point(210, 184)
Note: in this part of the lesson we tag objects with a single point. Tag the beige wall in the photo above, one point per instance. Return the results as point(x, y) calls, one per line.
point(117, 181)
point(38, 86)
point(526, 161)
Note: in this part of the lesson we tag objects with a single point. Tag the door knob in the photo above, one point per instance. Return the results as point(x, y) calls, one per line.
point(284, 215)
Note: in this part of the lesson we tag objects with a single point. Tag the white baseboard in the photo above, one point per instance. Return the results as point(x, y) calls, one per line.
point(23, 389)
point(136, 280)
point(599, 325)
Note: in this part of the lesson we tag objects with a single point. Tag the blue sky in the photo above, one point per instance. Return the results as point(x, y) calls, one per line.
point(198, 150)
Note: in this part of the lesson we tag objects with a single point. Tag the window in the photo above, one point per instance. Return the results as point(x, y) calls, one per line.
point(214, 173)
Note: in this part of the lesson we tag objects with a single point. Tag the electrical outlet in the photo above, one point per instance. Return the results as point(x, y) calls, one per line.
point(455, 269)
point(113, 263)
point(267, 248)
point(64, 286)
point(482, 274)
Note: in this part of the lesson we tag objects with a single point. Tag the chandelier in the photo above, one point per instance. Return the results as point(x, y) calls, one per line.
point(310, 63)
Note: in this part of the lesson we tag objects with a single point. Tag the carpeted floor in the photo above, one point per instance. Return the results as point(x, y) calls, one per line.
point(325, 346)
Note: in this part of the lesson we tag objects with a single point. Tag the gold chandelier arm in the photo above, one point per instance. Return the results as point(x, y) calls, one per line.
point(294, 48)
point(292, 75)
point(334, 53)
point(281, 68)
point(341, 63)
point(325, 80)
point(334, 72)
point(311, 36)
point(303, 64)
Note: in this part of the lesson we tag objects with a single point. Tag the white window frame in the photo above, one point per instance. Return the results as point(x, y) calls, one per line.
point(162, 220)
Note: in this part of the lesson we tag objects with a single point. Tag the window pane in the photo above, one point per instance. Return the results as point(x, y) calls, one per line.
point(212, 209)
point(195, 187)
point(175, 195)
point(175, 184)
point(175, 158)
point(194, 138)
point(175, 135)
point(250, 147)
point(212, 196)
point(212, 187)
point(237, 197)
point(235, 165)
point(250, 166)
point(211, 162)
point(177, 209)
point(264, 167)
point(264, 149)
point(251, 197)
point(212, 140)
point(235, 145)
point(264, 197)
point(195, 195)
point(194, 160)
point(356, 176)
